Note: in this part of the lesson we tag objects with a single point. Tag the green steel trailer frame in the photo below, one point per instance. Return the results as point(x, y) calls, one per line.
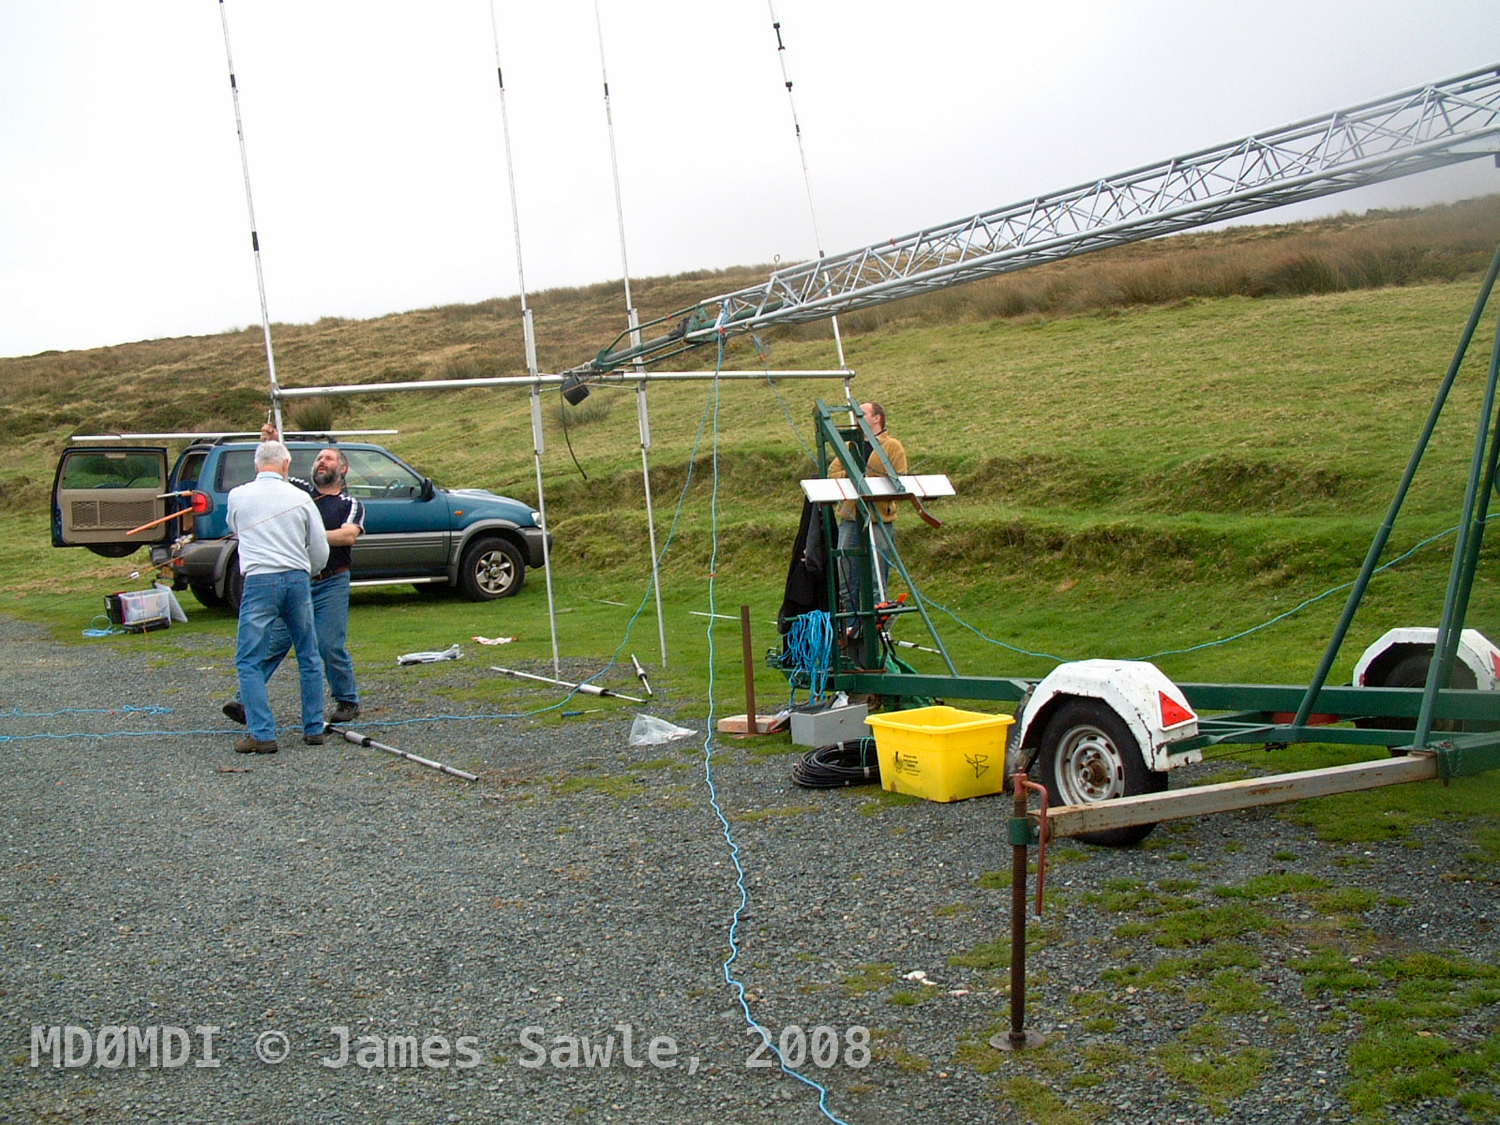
point(1441, 732)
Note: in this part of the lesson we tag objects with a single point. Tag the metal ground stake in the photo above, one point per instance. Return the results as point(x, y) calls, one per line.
point(1023, 833)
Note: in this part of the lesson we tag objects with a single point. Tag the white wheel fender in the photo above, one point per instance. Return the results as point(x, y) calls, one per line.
point(1474, 650)
point(1152, 706)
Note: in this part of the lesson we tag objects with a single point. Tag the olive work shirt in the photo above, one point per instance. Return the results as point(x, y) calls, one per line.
point(896, 453)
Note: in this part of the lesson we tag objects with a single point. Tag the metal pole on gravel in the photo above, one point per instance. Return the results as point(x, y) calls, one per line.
point(587, 689)
point(365, 740)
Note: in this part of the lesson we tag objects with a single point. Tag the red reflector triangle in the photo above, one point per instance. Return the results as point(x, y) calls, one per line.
point(1495, 660)
point(1173, 712)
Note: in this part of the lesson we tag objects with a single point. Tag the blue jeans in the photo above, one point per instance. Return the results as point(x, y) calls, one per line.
point(282, 596)
point(330, 603)
point(851, 576)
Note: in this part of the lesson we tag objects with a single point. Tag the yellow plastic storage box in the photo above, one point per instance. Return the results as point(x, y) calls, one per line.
point(941, 753)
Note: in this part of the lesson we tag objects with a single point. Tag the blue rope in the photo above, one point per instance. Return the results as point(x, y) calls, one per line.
point(713, 798)
point(1310, 601)
point(1280, 617)
point(809, 649)
point(765, 362)
point(17, 713)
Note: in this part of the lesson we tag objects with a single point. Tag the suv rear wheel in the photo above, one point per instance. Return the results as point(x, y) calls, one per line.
point(204, 592)
point(491, 568)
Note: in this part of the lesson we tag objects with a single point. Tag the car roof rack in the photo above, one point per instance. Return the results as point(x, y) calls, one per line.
point(230, 435)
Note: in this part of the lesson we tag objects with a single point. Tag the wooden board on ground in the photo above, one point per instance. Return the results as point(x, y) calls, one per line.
point(740, 724)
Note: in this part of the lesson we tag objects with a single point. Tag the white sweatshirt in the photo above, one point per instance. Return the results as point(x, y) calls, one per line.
point(278, 525)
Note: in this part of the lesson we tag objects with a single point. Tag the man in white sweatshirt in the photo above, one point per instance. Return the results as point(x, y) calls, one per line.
point(282, 543)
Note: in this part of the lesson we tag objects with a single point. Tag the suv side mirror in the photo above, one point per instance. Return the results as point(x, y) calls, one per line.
point(427, 490)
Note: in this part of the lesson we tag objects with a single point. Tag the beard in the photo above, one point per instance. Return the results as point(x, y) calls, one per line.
point(323, 478)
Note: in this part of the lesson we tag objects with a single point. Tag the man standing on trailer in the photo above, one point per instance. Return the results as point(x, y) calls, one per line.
point(282, 542)
point(883, 511)
point(344, 521)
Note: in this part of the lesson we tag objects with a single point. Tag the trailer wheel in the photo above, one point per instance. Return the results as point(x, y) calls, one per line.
point(1411, 672)
point(1089, 755)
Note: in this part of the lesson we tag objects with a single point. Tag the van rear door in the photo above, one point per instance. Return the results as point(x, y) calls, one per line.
point(99, 494)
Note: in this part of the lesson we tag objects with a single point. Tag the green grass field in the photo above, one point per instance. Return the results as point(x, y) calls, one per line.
point(1132, 480)
point(1127, 483)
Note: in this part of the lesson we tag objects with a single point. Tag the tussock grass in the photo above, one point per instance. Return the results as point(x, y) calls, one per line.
point(312, 415)
point(596, 408)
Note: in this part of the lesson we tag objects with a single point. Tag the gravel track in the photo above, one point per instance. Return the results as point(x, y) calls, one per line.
point(158, 879)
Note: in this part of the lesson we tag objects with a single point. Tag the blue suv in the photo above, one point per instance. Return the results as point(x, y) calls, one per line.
point(415, 532)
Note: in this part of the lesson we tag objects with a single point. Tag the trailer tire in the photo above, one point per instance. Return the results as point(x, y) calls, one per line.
point(1411, 672)
point(1089, 755)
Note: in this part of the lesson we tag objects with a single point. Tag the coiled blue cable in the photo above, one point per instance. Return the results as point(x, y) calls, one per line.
point(809, 649)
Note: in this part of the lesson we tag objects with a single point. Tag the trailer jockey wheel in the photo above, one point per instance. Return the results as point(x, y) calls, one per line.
point(1089, 755)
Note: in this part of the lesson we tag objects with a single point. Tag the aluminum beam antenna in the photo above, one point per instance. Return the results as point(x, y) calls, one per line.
point(812, 206)
point(537, 444)
point(260, 278)
point(633, 319)
point(1428, 127)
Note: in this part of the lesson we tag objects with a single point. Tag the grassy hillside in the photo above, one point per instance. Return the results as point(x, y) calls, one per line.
point(1153, 447)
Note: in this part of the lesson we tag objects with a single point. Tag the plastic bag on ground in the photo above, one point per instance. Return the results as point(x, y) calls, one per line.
point(449, 653)
point(647, 730)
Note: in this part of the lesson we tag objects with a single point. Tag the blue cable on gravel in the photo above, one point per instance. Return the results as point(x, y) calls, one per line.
point(713, 797)
point(17, 713)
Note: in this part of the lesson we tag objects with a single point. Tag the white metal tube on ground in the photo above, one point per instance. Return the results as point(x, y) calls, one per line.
point(587, 689)
point(365, 740)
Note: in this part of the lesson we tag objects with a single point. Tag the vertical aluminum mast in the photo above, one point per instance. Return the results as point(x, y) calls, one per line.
point(633, 320)
point(537, 442)
point(260, 279)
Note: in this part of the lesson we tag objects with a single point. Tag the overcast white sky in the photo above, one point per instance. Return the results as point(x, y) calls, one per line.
point(377, 159)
